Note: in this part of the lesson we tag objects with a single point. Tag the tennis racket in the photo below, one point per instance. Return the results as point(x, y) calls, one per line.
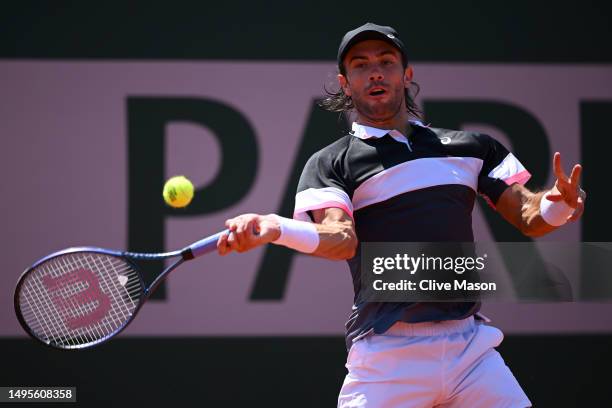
point(81, 297)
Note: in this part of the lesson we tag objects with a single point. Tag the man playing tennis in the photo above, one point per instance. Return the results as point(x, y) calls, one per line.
point(392, 179)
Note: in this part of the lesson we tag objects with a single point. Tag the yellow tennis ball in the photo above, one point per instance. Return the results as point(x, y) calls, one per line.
point(178, 191)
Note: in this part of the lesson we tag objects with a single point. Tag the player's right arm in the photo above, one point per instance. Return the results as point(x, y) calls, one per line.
point(322, 223)
point(338, 239)
point(331, 235)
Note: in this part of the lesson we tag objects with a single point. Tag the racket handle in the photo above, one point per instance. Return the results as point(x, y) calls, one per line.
point(203, 246)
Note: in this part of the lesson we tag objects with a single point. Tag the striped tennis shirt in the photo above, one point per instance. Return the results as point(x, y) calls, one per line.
point(419, 188)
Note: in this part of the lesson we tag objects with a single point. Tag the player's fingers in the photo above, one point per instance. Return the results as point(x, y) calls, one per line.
point(559, 173)
point(222, 244)
point(232, 244)
point(240, 226)
point(241, 239)
point(575, 176)
point(553, 197)
point(245, 234)
point(245, 237)
point(249, 230)
point(231, 224)
point(256, 227)
point(579, 210)
point(231, 241)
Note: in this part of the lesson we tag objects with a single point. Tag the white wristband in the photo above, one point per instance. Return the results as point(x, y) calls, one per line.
point(555, 213)
point(299, 235)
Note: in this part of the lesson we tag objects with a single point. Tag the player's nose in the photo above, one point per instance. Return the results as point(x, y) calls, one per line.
point(376, 75)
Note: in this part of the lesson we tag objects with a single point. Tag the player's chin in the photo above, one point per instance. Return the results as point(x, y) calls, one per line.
point(380, 112)
point(380, 103)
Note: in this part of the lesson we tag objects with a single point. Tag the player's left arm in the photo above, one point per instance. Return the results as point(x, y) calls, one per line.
point(526, 211)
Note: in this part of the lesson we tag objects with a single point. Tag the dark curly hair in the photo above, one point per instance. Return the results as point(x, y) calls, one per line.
point(340, 102)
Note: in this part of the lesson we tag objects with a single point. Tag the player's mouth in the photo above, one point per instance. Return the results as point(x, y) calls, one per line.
point(377, 91)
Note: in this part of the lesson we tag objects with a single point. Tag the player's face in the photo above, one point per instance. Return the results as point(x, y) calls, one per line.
point(375, 79)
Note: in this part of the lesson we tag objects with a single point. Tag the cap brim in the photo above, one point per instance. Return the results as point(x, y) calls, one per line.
point(367, 35)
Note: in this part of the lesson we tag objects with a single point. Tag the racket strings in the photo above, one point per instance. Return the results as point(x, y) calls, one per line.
point(79, 298)
point(50, 326)
point(100, 328)
point(93, 331)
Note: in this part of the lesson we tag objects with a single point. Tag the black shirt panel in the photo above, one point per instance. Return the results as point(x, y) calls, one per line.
point(395, 192)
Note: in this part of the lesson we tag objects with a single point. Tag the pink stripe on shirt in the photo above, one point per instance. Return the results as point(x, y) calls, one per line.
point(326, 204)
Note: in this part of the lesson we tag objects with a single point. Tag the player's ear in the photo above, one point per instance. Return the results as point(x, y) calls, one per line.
point(344, 84)
point(408, 75)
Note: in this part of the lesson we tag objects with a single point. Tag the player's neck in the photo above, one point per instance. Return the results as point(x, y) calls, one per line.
point(399, 122)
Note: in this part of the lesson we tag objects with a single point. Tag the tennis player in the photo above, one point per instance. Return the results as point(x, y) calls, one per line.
point(395, 179)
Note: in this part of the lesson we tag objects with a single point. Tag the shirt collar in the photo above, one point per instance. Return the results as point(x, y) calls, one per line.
point(366, 132)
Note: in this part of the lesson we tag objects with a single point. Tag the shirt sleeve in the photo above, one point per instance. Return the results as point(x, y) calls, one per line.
point(500, 169)
point(322, 185)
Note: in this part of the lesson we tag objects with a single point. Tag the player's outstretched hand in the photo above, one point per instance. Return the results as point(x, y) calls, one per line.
point(248, 231)
point(568, 188)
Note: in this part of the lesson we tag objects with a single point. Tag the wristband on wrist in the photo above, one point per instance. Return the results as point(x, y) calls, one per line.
point(299, 235)
point(555, 213)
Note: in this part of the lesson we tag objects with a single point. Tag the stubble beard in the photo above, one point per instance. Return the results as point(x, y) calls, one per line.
point(375, 111)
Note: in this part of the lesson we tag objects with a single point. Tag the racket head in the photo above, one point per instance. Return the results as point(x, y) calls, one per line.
point(78, 297)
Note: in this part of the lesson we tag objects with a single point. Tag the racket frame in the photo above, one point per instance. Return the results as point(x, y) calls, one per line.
point(195, 250)
point(125, 256)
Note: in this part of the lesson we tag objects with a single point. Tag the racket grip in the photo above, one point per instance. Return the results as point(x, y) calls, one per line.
point(202, 246)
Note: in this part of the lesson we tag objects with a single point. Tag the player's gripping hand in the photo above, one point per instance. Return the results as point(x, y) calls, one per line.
point(248, 231)
point(568, 188)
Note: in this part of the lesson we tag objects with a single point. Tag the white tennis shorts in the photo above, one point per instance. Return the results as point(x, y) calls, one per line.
point(451, 364)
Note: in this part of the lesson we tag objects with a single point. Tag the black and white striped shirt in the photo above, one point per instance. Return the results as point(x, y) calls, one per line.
point(397, 189)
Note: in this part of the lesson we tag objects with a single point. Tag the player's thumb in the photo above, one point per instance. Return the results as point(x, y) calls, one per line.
point(553, 197)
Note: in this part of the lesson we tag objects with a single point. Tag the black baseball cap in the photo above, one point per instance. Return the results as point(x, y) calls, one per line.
point(371, 31)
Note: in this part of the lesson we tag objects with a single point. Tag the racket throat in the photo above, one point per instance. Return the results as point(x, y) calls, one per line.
point(187, 254)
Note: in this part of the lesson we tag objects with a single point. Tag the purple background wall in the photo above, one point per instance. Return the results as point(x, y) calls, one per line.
point(66, 70)
point(68, 186)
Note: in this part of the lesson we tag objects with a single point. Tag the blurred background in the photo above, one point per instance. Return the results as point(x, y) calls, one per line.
point(101, 103)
